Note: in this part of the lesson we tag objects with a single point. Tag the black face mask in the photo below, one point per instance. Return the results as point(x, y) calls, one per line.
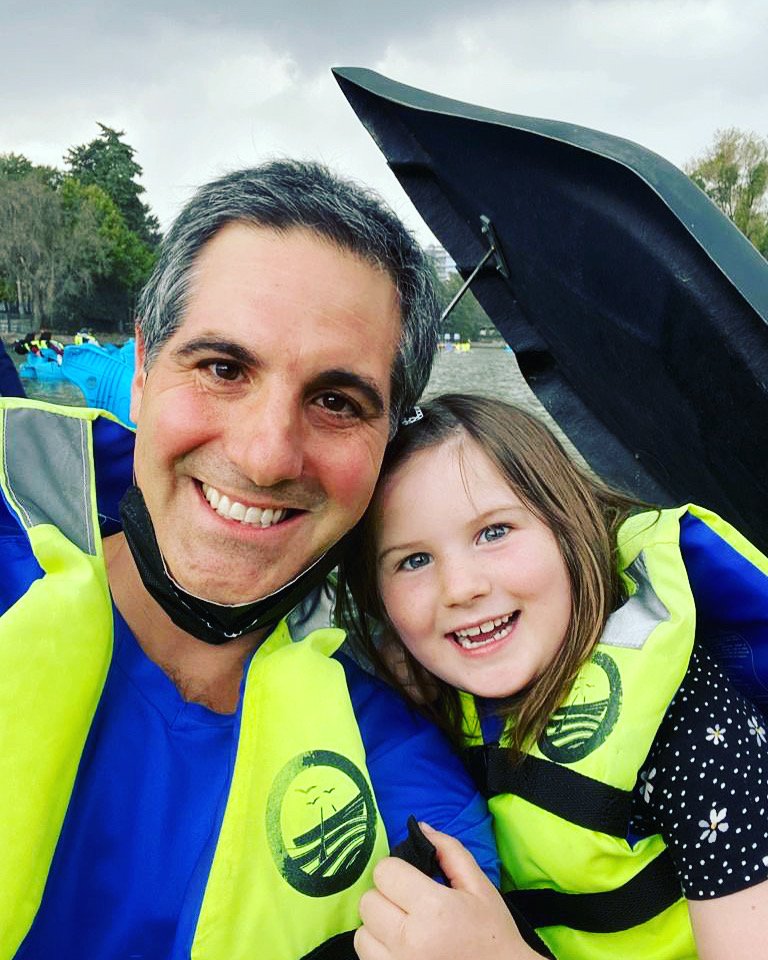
point(214, 623)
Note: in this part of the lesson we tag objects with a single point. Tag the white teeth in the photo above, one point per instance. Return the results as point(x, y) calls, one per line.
point(483, 628)
point(237, 511)
point(234, 510)
point(468, 644)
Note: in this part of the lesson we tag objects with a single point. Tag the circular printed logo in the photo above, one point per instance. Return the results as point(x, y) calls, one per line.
point(321, 822)
point(583, 723)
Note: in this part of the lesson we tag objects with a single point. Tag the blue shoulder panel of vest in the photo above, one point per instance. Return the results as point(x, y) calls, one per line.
point(113, 459)
point(414, 770)
point(731, 597)
point(18, 564)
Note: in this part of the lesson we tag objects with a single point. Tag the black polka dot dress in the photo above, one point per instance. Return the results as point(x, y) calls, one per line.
point(704, 785)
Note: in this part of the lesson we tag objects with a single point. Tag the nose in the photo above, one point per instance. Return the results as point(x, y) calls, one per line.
point(266, 440)
point(463, 581)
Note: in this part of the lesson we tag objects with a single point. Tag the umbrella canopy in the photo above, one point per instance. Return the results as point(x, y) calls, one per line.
point(637, 311)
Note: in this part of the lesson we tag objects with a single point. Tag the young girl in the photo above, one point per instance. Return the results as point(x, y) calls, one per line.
point(561, 635)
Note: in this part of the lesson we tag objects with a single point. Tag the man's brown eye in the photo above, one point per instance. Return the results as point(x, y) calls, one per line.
point(335, 402)
point(225, 370)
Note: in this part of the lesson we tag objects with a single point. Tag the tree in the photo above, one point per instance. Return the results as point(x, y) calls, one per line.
point(733, 172)
point(67, 255)
point(108, 162)
point(50, 245)
point(15, 166)
point(467, 318)
point(110, 300)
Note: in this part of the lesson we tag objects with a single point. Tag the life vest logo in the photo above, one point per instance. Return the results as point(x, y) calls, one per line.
point(583, 723)
point(321, 823)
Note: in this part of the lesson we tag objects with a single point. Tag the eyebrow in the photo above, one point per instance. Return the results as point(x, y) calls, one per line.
point(416, 546)
point(327, 379)
point(213, 345)
point(400, 548)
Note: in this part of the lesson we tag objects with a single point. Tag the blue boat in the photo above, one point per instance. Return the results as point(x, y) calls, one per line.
point(102, 374)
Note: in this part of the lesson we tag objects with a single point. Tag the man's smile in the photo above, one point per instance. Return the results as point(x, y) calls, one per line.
point(235, 510)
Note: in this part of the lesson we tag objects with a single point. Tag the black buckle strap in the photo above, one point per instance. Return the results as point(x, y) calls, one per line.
point(570, 795)
point(337, 948)
point(651, 891)
point(420, 852)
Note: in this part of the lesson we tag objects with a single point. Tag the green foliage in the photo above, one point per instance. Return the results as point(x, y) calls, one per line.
point(15, 166)
point(467, 318)
point(108, 162)
point(50, 247)
point(68, 254)
point(108, 300)
point(733, 172)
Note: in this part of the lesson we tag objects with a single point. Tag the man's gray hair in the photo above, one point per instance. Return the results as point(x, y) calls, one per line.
point(281, 195)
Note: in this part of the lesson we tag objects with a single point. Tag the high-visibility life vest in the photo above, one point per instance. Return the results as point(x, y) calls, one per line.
point(287, 874)
point(562, 815)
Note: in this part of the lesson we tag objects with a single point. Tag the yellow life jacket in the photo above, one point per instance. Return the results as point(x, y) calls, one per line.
point(290, 865)
point(562, 815)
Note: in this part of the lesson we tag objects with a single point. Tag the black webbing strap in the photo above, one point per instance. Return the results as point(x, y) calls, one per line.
point(337, 948)
point(417, 850)
point(420, 852)
point(646, 895)
point(552, 786)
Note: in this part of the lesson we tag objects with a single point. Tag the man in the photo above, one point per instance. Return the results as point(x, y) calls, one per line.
point(181, 779)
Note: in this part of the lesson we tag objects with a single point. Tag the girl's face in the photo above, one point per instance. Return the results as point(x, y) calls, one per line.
point(474, 584)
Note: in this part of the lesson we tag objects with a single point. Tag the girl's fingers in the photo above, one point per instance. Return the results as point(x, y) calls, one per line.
point(404, 885)
point(367, 947)
point(382, 918)
point(457, 863)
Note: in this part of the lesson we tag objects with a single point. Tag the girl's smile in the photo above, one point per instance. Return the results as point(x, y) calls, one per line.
point(474, 584)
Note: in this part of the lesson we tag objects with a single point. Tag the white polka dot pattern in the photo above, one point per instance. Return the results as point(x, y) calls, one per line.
point(704, 785)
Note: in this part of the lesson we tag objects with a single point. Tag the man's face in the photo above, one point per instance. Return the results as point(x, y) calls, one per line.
point(262, 422)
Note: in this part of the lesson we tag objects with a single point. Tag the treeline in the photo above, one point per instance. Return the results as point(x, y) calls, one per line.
point(732, 171)
point(76, 245)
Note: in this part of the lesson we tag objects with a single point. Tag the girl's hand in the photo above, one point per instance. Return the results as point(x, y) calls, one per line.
point(410, 917)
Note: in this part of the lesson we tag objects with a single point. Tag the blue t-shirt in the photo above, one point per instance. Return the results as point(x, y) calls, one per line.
point(129, 871)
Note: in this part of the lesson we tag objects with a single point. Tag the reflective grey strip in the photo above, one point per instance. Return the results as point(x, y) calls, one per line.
point(632, 624)
point(47, 468)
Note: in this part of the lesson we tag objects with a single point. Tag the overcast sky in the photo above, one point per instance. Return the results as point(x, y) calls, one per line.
point(199, 92)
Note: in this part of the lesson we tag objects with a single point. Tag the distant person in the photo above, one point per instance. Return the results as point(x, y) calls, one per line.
point(26, 345)
point(85, 336)
point(45, 341)
point(628, 780)
point(10, 382)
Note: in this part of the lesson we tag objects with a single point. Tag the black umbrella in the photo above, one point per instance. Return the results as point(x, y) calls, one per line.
point(637, 311)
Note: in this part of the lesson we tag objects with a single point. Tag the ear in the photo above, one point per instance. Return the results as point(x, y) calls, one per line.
point(139, 374)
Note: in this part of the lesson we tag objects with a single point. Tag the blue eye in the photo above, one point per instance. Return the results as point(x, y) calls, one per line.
point(494, 531)
point(415, 561)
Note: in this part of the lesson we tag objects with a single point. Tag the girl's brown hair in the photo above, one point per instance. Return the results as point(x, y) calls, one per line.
point(582, 512)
